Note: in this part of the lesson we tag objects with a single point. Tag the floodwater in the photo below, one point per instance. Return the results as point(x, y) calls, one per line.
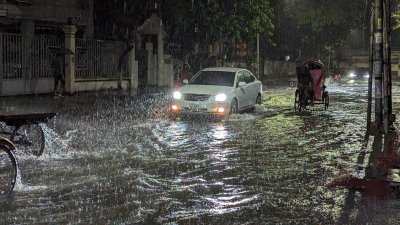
point(122, 160)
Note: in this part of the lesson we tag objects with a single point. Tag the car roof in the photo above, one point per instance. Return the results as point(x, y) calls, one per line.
point(227, 69)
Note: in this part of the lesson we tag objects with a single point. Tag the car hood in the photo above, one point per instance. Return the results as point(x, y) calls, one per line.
point(204, 89)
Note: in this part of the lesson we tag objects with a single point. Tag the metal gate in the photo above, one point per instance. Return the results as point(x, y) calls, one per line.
point(25, 62)
point(99, 60)
point(141, 56)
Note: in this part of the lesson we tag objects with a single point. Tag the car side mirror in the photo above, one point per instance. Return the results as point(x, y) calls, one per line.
point(185, 81)
point(241, 84)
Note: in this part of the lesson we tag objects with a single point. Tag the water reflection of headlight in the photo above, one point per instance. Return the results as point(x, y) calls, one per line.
point(366, 75)
point(220, 133)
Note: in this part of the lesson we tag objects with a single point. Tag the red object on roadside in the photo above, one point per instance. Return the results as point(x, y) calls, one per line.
point(317, 77)
point(177, 85)
point(185, 74)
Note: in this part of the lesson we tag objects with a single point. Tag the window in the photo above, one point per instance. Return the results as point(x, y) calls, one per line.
point(249, 77)
point(241, 78)
point(219, 78)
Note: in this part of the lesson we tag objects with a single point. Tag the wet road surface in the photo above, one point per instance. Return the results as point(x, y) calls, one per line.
point(113, 159)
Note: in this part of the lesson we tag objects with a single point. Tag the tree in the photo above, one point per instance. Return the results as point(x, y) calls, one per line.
point(205, 22)
point(118, 20)
point(316, 28)
point(329, 23)
point(396, 13)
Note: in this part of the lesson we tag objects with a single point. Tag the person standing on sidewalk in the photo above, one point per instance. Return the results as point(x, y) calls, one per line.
point(59, 81)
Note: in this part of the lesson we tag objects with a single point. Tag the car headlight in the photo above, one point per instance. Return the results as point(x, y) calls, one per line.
point(352, 75)
point(177, 95)
point(220, 97)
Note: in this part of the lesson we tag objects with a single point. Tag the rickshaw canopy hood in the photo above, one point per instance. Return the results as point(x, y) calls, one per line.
point(314, 64)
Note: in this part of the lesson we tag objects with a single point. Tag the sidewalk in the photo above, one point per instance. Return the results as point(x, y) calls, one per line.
point(45, 103)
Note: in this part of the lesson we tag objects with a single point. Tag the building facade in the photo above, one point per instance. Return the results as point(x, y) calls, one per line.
point(47, 17)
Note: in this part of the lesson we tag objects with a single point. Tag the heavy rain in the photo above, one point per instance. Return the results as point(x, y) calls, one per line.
point(95, 128)
point(117, 160)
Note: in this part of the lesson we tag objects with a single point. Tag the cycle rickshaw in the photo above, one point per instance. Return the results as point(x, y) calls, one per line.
point(311, 86)
point(26, 131)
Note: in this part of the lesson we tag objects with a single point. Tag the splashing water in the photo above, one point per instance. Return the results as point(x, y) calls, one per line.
point(118, 160)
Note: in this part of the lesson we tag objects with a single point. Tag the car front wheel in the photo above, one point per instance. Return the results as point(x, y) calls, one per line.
point(234, 107)
point(258, 100)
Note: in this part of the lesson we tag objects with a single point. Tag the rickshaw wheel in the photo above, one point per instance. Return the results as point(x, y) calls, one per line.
point(299, 100)
point(8, 167)
point(297, 106)
point(325, 98)
point(33, 138)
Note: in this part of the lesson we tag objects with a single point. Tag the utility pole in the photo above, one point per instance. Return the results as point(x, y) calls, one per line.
point(381, 68)
point(389, 117)
point(258, 57)
point(377, 65)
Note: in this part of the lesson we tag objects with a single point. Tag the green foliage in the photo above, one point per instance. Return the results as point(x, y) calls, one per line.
point(396, 14)
point(216, 21)
point(329, 23)
point(315, 27)
point(311, 27)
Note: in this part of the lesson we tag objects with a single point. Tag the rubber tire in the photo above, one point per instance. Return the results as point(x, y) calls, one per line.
point(7, 181)
point(258, 100)
point(326, 100)
point(297, 104)
point(234, 107)
point(35, 135)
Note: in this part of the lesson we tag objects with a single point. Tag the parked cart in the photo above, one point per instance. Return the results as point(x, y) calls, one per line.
point(26, 131)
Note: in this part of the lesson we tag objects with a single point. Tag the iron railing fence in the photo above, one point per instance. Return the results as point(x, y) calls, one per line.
point(27, 57)
point(95, 59)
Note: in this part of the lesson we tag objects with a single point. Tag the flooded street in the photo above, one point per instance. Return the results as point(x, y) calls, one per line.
point(123, 160)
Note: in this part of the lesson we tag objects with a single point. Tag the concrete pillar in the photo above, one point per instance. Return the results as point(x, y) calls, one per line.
point(160, 57)
point(70, 31)
point(27, 29)
point(150, 67)
point(133, 71)
point(1, 65)
point(3, 7)
point(168, 71)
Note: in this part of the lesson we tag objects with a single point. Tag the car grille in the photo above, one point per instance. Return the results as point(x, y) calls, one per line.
point(196, 97)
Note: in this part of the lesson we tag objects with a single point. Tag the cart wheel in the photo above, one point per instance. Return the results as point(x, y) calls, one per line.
point(299, 101)
point(8, 167)
point(296, 101)
point(325, 97)
point(32, 138)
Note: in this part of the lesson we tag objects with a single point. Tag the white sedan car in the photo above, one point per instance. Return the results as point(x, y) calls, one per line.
point(218, 91)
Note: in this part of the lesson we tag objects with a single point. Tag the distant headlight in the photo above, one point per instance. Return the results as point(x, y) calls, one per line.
point(220, 97)
point(352, 75)
point(177, 95)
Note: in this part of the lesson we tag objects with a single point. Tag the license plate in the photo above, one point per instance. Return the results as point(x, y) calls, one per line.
point(193, 106)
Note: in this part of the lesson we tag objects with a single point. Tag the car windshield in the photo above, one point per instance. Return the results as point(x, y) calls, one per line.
point(219, 78)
